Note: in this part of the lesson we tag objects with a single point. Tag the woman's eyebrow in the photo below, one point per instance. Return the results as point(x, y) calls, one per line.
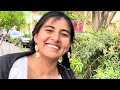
point(49, 26)
point(61, 29)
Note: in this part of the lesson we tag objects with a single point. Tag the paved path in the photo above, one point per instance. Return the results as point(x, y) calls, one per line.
point(7, 48)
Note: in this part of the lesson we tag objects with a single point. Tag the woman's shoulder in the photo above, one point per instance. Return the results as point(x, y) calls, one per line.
point(6, 62)
point(13, 56)
point(5, 58)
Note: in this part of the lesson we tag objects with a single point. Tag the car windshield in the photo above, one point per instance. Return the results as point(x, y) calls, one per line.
point(15, 33)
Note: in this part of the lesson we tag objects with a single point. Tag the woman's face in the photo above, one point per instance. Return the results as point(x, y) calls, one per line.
point(53, 39)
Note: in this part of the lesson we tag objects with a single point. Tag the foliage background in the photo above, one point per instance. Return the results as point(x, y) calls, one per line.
point(9, 19)
point(96, 55)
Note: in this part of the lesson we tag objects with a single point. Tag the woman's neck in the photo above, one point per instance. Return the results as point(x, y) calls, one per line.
point(42, 67)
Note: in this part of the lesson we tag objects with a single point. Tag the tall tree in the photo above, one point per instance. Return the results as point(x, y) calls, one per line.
point(9, 19)
point(77, 15)
point(102, 19)
point(111, 15)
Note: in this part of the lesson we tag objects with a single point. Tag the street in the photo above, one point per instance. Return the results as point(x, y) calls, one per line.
point(7, 48)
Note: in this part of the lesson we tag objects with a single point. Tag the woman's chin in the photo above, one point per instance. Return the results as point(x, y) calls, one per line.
point(52, 56)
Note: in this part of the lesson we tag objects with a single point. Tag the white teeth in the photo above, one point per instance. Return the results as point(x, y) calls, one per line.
point(53, 46)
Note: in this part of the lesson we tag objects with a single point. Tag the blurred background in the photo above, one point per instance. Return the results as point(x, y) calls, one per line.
point(96, 49)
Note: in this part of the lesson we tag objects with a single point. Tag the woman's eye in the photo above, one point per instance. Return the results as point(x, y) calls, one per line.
point(49, 30)
point(65, 35)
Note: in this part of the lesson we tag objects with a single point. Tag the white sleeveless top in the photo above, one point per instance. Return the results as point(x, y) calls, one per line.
point(20, 68)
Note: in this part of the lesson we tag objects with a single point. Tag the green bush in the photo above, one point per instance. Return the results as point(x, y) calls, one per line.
point(96, 55)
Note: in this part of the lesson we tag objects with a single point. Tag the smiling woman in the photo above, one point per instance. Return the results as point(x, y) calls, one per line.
point(52, 39)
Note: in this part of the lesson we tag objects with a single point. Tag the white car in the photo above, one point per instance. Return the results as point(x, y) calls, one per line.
point(24, 41)
point(12, 35)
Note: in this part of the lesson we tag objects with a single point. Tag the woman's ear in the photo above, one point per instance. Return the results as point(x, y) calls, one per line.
point(35, 38)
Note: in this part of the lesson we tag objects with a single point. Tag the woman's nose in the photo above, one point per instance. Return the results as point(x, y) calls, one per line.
point(56, 37)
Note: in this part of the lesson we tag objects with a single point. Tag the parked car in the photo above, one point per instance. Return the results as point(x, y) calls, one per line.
point(12, 35)
point(3, 32)
point(23, 41)
point(18, 38)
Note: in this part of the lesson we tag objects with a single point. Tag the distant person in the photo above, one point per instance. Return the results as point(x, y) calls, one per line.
point(52, 39)
point(75, 25)
point(80, 27)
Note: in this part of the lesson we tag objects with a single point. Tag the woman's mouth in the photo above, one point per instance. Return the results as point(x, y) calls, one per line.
point(53, 46)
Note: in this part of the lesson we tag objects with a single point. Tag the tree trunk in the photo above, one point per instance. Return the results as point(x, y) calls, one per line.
point(110, 18)
point(104, 17)
point(99, 16)
point(3, 38)
point(95, 20)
